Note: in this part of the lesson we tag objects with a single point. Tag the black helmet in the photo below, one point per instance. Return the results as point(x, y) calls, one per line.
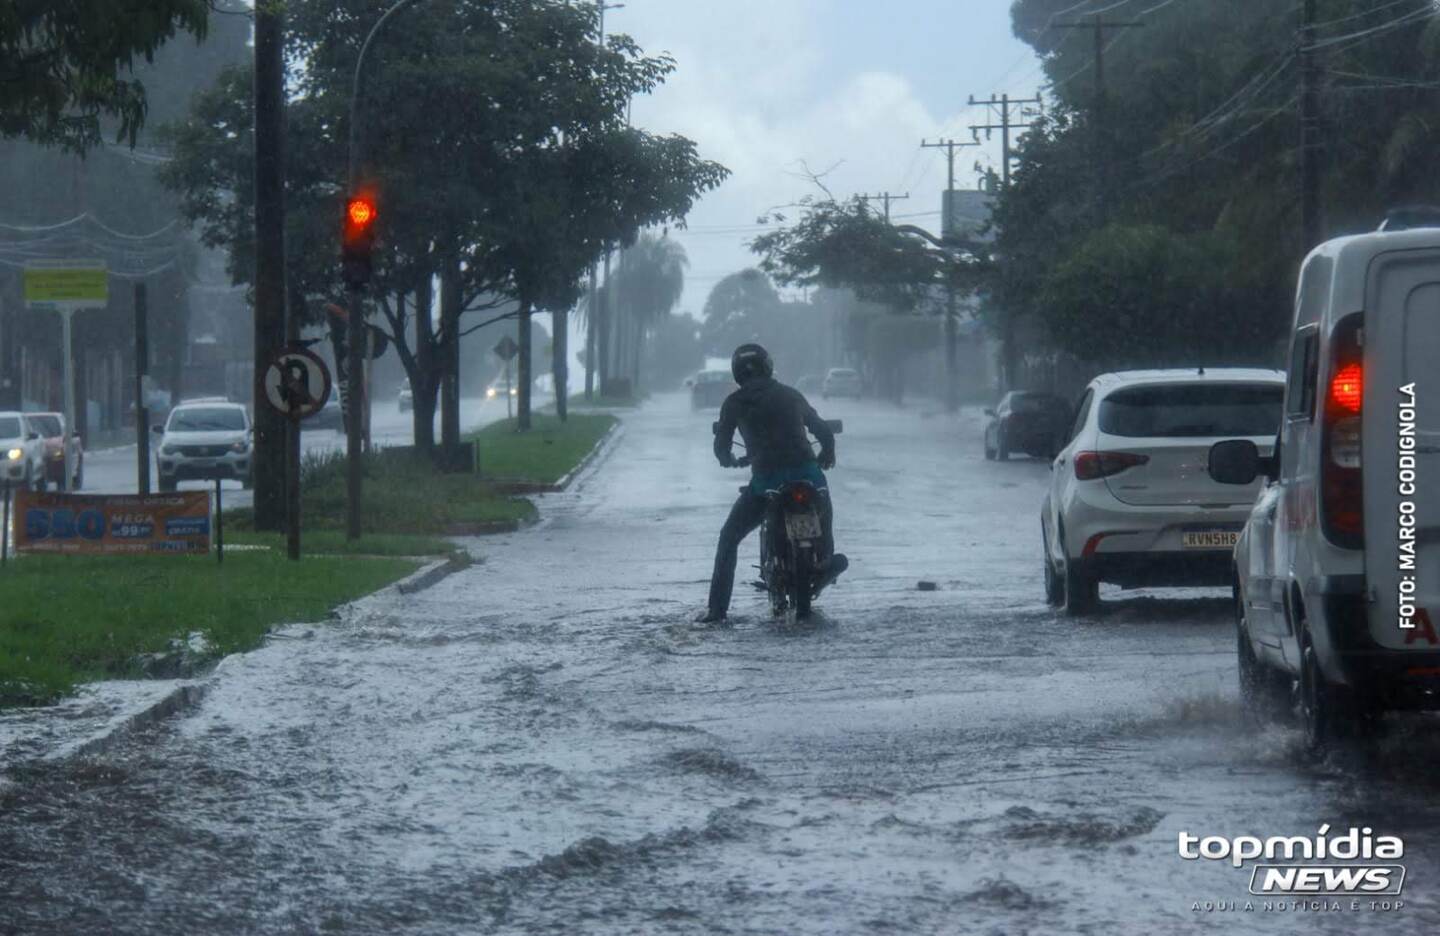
point(750, 361)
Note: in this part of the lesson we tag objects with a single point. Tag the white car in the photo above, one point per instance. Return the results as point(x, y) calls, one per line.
point(1337, 572)
point(22, 451)
point(1131, 502)
point(205, 440)
point(842, 381)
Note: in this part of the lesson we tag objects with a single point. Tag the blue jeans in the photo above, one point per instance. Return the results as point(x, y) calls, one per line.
point(748, 513)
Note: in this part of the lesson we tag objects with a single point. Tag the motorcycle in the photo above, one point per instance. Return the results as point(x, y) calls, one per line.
point(792, 569)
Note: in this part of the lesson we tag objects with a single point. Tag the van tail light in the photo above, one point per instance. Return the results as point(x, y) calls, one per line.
point(1342, 515)
point(1092, 465)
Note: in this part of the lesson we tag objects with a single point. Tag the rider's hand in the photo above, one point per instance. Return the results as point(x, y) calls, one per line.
point(827, 461)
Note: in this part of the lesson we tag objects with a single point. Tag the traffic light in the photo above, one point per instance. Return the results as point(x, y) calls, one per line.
point(358, 240)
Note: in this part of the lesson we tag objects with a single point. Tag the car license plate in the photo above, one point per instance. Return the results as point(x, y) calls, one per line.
point(1209, 539)
point(202, 463)
point(802, 526)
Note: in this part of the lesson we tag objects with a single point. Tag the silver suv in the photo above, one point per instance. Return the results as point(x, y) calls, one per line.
point(203, 441)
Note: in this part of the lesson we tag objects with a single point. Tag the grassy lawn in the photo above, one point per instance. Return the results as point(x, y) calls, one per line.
point(548, 452)
point(65, 620)
point(334, 543)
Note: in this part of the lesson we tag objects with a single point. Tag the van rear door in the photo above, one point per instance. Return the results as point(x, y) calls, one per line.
point(1400, 446)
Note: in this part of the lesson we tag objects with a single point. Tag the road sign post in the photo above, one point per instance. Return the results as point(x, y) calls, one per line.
point(297, 384)
point(63, 286)
point(506, 349)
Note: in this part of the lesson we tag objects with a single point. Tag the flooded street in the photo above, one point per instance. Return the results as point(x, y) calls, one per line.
point(544, 743)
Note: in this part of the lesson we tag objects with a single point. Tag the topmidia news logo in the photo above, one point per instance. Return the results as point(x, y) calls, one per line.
point(1322, 871)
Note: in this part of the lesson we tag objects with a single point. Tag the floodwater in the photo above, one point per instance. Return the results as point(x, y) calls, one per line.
point(543, 743)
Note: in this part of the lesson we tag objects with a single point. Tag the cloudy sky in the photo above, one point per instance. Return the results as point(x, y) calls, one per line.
point(767, 87)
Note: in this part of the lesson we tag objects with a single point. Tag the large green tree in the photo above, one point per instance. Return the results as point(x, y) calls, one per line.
point(1197, 161)
point(68, 64)
point(497, 148)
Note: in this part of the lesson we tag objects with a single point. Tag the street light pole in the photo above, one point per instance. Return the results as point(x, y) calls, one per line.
point(598, 332)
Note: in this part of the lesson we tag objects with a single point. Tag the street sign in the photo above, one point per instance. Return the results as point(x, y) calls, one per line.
point(66, 284)
point(297, 383)
point(506, 348)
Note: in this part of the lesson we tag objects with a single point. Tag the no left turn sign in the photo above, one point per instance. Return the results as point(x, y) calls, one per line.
point(297, 383)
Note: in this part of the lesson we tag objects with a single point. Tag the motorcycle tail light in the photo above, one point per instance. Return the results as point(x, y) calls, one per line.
point(800, 495)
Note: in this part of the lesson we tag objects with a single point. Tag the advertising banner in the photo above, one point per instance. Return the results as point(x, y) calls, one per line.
point(94, 524)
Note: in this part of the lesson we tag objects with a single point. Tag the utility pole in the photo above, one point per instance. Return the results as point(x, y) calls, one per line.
point(952, 325)
point(268, 460)
point(1097, 24)
point(886, 198)
point(1311, 230)
point(1001, 110)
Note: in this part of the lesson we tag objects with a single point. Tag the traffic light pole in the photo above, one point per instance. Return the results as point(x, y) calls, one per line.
point(355, 329)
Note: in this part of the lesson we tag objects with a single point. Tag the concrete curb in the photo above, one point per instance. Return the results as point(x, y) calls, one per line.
point(601, 449)
point(523, 488)
point(428, 575)
point(182, 697)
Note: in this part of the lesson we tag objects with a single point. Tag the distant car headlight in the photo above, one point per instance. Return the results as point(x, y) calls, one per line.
point(514, 391)
point(241, 446)
point(15, 454)
point(489, 392)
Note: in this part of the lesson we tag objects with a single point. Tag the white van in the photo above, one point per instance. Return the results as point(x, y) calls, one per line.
point(1337, 571)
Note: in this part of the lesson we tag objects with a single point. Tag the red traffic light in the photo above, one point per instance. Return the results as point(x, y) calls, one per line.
point(358, 240)
point(360, 211)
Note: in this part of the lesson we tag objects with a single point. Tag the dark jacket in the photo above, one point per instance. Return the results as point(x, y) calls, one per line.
point(772, 419)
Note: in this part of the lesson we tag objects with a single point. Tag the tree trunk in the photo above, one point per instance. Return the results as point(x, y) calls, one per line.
point(559, 367)
point(450, 381)
point(423, 385)
point(522, 399)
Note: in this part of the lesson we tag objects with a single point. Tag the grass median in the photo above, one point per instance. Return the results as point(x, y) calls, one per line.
point(406, 504)
point(65, 620)
point(548, 452)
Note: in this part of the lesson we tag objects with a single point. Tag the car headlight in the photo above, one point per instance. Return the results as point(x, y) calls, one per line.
point(168, 450)
point(489, 392)
point(240, 446)
point(15, 454)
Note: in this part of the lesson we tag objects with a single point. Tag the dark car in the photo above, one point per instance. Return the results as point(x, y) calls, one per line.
point(328, 416)
point(709, 388)
point(1026, 421)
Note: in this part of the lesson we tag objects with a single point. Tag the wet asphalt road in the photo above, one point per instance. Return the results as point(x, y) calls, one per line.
point(544, 744)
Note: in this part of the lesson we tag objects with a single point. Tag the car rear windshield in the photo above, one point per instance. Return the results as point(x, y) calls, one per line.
point(206, 419)
point(1193, 411)
point(9, 427)
point(48, 426)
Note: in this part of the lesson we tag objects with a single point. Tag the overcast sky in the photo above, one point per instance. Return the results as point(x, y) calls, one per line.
point(764, 86)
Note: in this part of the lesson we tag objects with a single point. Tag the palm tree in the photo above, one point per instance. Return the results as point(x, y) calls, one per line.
point(647, 288)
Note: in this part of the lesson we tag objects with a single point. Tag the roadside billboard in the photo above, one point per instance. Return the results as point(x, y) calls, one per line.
point(98, 524)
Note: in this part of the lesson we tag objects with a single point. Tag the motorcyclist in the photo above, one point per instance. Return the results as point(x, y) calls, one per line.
point(772, 419)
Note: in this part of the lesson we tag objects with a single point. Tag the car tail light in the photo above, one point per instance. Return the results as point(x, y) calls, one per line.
point(1092, 465)
point(1342, 516)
